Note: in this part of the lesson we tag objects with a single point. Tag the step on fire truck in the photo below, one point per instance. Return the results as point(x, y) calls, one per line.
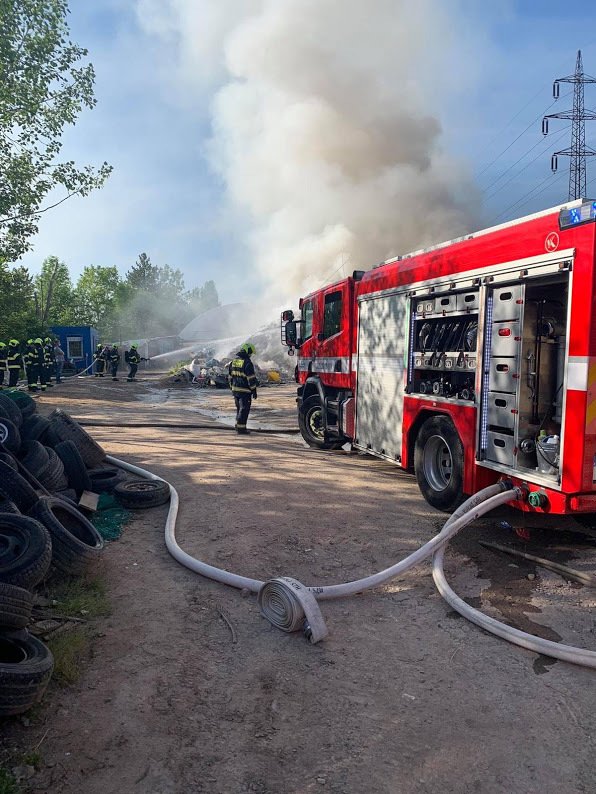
point(466, 362)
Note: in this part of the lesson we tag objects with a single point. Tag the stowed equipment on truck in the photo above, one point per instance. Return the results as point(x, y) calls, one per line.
point(465, 362)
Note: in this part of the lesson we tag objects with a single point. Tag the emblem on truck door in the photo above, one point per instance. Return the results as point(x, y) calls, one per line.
point(552, 242)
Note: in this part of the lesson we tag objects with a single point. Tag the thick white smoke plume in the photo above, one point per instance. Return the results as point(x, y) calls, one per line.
point(323, 126)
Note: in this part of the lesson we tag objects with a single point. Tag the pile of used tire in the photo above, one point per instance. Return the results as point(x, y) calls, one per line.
point(41, 530)
point(45, 466)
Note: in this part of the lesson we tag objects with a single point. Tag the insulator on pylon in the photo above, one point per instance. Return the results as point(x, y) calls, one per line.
point(556, 89)
point(545, 126)
point(554, 163)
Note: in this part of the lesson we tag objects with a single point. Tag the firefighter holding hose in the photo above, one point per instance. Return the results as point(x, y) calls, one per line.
point(243, 383)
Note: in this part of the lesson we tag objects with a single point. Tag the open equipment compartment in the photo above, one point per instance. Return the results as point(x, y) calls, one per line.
point(523, 383)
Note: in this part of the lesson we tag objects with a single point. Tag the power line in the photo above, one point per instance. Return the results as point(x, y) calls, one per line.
point(531, 194)
point(531, 124)
point(533, 160)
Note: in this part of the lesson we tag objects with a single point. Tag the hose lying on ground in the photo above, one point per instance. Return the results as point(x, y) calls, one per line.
point(178, 426)
point(287, 607)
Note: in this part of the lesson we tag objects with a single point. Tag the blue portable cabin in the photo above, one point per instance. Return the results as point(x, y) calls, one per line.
point(78, 343)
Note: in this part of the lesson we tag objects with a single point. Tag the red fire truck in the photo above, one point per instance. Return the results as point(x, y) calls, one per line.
point(465, 362)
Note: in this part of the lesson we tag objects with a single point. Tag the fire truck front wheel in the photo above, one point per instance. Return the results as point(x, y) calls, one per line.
point(312, 428)
point(438, 462)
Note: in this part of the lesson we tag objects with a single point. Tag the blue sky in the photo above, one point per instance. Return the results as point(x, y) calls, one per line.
point(164, 197)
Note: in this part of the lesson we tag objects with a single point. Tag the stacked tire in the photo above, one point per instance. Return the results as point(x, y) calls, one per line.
point(37, 533)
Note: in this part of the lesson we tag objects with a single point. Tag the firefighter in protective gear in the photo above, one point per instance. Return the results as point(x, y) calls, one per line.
point(14, 361)
point(48, 360)
point(133, 359)
point(114, 360)
point(3, 354)
point(29, 357)
point(38, 358)
point(100, 360)
point(243, 383)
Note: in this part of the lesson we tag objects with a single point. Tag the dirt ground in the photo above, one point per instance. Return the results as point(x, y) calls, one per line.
point(190, 690)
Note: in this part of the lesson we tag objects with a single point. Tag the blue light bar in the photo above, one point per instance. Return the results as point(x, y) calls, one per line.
point(575, 216)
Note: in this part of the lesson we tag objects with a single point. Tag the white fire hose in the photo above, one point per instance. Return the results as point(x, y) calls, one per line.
point(290, 605)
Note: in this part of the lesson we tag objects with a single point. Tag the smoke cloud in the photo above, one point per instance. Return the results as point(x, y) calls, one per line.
point(324, 129)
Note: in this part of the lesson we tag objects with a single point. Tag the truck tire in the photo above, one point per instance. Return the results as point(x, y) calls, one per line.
point(439, 463)
point(137, 494)
point(12, 410)
point(76, 544)
point(16, 604)
point(25, 551)
point(74, 467)
point(16, 488)
point(9, 435)
point(310, 422)
point(26, 666)
point(68, 429)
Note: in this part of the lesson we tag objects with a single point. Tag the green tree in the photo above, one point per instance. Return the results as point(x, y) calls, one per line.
point(94, 296)
point(53, 293)
point(44, 85)
point(17, 317)
point(143, 275)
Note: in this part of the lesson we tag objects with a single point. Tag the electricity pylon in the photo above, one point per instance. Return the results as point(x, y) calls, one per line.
point(578, 151)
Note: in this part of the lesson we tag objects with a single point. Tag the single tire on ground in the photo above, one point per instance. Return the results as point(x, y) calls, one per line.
point(12, 410)
point(105, 479)
point(16, 488)
point(439, 463)
point(68, 429)
point(33, 456)
point(6, 506)
point(74, 466)
point(9, 435)
point(16, 604)
point(34, 428)
point(26, 666)
point(23, 401)
point(137, 494)
point(25, 551)
point(76, 544)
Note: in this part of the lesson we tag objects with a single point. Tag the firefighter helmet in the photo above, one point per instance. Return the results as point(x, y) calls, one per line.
point(133, 347)
point(248, 348)
point(13, 342)
point(29, 341)
point(2, 344)
point(38, 341)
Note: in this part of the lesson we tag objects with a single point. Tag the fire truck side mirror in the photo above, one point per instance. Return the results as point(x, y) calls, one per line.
point(291, 333)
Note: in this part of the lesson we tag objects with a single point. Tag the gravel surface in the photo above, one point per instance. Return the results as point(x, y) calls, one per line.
point(190, 690)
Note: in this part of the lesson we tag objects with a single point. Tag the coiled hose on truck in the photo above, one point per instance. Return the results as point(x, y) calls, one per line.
point(290, 605)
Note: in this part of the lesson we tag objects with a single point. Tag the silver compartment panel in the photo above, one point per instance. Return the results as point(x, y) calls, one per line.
point(504, 375)
point(506, 345)
point(499, 410)
point(500, 448)
point(508, 302)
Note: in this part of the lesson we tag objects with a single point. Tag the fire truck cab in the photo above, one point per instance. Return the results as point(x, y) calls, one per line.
point(465, 362)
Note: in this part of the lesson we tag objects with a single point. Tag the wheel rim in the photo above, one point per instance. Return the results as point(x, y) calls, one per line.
point(437, 463)
point(3, 433)
point(314, 422)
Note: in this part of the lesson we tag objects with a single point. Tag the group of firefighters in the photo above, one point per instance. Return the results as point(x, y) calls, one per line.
point(41, 359)
point(107, 359)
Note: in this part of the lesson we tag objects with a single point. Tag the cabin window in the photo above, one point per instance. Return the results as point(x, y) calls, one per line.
point(332, 316)
point(307, 312)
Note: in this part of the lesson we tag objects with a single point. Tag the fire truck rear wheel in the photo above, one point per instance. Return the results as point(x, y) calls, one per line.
point(438, 462)
point(310, 421)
